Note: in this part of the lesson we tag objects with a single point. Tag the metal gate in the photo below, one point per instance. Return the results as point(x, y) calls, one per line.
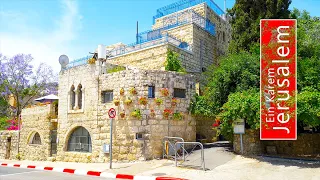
point(169, 147)
point(53, 142)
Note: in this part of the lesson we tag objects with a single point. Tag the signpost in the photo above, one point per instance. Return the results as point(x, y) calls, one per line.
point(112, 114)
point(239, 128)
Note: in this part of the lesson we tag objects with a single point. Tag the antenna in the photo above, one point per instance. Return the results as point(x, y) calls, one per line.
point(225, 7)
point(137, 32)
point(64, 61)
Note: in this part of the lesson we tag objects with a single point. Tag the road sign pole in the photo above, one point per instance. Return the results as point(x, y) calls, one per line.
point(241, 144)
point(110, 149)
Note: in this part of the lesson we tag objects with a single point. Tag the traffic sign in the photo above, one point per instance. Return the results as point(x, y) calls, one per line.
point(112, 113)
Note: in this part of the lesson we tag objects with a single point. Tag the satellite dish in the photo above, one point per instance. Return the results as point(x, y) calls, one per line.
point(63, 60)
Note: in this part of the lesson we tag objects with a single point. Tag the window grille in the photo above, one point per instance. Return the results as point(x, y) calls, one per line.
point(36, 139)
point(107, 96)
point(151, 92)
point(179, 93)
point(80, 140)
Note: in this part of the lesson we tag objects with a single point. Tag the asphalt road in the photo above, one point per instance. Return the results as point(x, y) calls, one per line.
point(12, 173)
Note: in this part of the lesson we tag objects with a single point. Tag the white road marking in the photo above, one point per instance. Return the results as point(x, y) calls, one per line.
point(108, 175)
point(19, 173)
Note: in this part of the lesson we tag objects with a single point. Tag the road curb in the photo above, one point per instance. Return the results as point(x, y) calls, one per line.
point(89, 173)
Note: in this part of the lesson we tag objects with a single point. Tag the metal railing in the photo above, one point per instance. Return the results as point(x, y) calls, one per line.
point(169, 146)
point(186, 154)
point(79, 62)
point(178, 19)
point(183, 4)
point(160, 39)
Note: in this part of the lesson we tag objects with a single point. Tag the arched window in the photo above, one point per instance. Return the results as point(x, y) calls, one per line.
point(80, 140)
point(36, 139)
point(72, 97)
point(79, 91)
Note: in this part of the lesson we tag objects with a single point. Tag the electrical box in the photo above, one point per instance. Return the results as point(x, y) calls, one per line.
point(106, 148)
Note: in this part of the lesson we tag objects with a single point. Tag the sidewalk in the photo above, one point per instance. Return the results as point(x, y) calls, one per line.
point(236, 168)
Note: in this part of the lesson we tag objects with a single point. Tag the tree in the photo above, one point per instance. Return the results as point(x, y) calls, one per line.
point(18, 78)
point(173, 63)
point(245, 21)
point(236, 72)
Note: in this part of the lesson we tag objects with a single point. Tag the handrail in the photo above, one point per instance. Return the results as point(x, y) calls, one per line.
point(173, 146)
point(184, 150)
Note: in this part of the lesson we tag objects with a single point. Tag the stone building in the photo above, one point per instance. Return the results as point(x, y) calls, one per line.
point(142, 93)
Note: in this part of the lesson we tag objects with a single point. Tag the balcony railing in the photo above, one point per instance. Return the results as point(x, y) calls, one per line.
point(79, 62)
point(156, 40)
point(183, 4)
point(178, 19)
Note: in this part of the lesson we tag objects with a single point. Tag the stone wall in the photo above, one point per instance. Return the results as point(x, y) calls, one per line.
point(306, 145)
point(222, 28)
point(148, 58)
point(37, 119)
point(94, 116)
point(204, 129)
point(8, 144)
point(251, 143)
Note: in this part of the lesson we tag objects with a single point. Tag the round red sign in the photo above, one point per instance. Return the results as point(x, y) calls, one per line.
point(112, 113)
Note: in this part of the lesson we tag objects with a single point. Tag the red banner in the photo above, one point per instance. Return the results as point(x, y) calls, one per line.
point(278, 79)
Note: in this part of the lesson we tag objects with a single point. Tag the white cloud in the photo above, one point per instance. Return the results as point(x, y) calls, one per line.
point(44, 46)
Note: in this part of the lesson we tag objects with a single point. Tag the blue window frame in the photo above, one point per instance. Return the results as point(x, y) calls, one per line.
point(151, 92)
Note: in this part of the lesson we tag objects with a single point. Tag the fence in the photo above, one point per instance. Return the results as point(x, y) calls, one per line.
point(155, 40)
point(79, 62)
point(183, 4)
point(178, 19)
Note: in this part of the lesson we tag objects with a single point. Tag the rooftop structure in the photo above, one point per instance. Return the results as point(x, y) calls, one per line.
point(167, 20)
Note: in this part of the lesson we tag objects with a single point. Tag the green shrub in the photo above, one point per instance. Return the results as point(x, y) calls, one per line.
point(116, 69)
point(173, 63)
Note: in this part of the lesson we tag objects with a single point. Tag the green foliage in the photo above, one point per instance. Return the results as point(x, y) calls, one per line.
point(309, 109)
point(246, 17)
point(240, 105)
point(237, 72)
point(136, 113)
point(200, 107)
point(177, 116)
point(116, 69)
point(308, 50)
point(3, 122)
point(173, 63)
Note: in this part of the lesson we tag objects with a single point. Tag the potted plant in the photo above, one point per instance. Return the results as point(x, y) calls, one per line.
point(174, 102)
point(133, 91)
point(116, 102)
point(164, 92)
point(136, 113)
point(177, 116)
point(166, 113)
point(158, 101)
point(143, 101)
point(121, 91)
point(128, 101)
point(91, 61)
point(152, 113)
point(122, 114)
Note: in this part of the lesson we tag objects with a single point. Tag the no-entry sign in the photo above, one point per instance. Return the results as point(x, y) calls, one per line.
point(278, 79)
point(112, 113)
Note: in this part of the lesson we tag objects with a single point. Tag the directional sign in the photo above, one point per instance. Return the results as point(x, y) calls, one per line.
point(112, 113)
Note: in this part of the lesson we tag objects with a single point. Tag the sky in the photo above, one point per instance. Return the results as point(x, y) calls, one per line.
point(48, 28)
